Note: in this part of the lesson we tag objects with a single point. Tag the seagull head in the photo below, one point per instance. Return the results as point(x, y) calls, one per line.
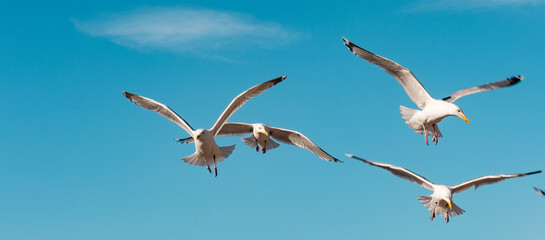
point(261, 128)
point(454, 110)
point(449, 202)
point(199, 133)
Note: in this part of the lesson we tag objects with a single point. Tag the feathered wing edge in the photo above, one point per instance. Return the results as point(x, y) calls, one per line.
point(485, 87)
point(488, 179)
point(295, 138)
point(241, 99)
point(161, 109)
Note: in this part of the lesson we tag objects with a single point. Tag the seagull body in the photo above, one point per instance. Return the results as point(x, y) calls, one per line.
point(207, 152)
point(440, 201)
point(433, 110)
point(262, 138)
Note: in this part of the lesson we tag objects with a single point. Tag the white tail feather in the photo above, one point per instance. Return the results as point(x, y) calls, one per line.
point(407, 114)
point(194, 159)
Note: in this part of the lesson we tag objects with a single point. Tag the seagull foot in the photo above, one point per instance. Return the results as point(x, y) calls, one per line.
point(264, 150)
point(435, 140)
point(432, 215)
point(209, 170)
point(257, 149)
point(215, 171)
point(447, 218)
point(427, 141)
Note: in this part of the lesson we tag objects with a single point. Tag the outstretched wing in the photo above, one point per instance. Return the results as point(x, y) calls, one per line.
point(404, 76)
point(486, 87)
point(400, 172)
point(295, 138)
point(228, 129)
point(161, 109)
point(241, 100)
point(484, 180)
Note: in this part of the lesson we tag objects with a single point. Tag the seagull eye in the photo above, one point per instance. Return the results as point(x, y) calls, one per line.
point(459, 110)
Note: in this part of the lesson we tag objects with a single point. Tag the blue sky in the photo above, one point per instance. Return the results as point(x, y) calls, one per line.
point(79, 161)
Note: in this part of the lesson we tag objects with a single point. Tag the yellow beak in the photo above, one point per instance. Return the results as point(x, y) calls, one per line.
point(266, 133)
point(464, 117)
point(449, 205)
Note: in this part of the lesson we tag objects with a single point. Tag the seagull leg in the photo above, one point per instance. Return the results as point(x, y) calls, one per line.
point(215, 168)
point(425, 134)
point(448, 213)
point(435, 138)
point(208, 166)
point(433, 213)
point(257, 148)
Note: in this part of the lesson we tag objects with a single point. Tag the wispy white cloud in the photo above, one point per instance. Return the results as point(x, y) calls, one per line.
point(431, 5)
point(186, 30)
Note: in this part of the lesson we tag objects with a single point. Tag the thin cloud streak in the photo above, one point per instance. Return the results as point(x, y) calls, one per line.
point(186, 30)
point(433, 5)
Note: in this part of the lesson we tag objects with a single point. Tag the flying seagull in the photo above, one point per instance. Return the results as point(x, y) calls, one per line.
point(261, 138)
point(207, 151)
point(440, 201)
point(539, 191)
point(433, 110)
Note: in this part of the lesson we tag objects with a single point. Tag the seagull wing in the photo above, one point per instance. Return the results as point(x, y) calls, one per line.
point(161, 109)
point(486, 87)
point(539, 191)
point(484, 180)
point(295, 138)
point(404, 76)
point(241, 100)
point(400, 172)
point(228, 129)
point(236, 129)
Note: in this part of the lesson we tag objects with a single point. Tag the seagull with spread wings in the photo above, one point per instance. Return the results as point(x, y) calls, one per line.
point(207, 152)
point(440, 202)
point(261, 138)
point(433, 110)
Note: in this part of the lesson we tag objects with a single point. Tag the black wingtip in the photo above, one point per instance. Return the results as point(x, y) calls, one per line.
point(127, 94)
point(347, 43)
point(530, 173)
point(355, 157)
point(278, 79)
point(515, 79)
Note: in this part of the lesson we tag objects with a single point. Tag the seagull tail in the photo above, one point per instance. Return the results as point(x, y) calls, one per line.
point(194, 159)
point(250, 141)
point(225, 152)
point(426, 201)
point(271, 144)
point(407, 114)
point(456, 210)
